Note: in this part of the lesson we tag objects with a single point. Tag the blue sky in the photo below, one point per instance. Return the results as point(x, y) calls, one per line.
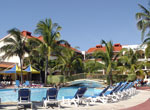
point(84, 22)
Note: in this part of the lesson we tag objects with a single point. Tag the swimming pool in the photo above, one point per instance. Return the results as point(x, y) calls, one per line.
point(85, 83)
point(9, 95)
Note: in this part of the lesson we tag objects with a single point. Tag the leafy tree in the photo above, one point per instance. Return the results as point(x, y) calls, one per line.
point(68, 61)
point(129, 61)
point(40, 51)
point(91, 66)
point(15, 46)
point(146, 42)
point(36, 56)
point(50, 33)
point(108, 58)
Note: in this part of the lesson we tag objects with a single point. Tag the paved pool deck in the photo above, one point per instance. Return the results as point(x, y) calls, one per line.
point(141, 97)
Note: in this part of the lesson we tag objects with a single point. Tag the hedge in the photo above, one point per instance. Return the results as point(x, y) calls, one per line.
point(131, 77)
point(56, 79)
point(121, 77)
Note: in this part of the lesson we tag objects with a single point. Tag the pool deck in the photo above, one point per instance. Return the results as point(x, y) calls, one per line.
point(140, 97)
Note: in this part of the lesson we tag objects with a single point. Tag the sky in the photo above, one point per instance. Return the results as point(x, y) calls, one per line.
point(84, 22)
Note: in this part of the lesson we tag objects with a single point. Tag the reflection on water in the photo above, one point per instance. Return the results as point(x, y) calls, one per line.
point(11, 95)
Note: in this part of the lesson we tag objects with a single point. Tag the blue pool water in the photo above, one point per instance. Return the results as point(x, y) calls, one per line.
point(9, 95)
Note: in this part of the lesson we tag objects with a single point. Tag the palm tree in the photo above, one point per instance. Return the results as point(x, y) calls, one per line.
point(129, 62)
point(15, 46)
point(50, 33)
point(36, 56)
point(143, 21)
point(108, 58)
point(46, 46)
point(147, 50)
point(68, 61)
point(91, 66)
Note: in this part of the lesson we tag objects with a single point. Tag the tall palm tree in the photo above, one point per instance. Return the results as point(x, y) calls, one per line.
point(36, 56)
point(15, 46)
point(68, 61)
point(143, 21)
point(143, 24)
point(129, 61)
point(108, 58)
point(51, 39)
point(50, 33)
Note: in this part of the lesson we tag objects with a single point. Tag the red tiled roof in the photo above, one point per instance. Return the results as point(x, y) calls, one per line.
point(6, 65)
point(28, 35)
point(116, 47)
point(75, 50)
point(72, 48)
point(95, 49)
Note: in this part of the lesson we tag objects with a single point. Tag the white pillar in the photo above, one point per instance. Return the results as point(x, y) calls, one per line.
point(103, 72)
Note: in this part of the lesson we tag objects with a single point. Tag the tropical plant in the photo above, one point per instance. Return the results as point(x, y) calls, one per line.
point(68, 61)
point(108, 58)
point(50, 33)
point(36, 56)
point(92, 66)
point(129, 62)
point(146, 42)
point(143, 21)
point(45, 47)
point(15, 46)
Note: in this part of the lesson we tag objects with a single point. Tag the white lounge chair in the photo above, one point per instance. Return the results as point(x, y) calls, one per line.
point(24, 97)
point(51, 97)
point(78, 98)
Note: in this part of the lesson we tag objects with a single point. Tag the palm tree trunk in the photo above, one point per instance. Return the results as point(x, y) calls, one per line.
point(46, 70)
point(69, 73)
point(110, 78)
point(40, 76)
point(16, 76)
point(21, 63)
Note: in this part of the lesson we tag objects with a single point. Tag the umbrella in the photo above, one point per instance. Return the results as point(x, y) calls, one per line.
point(15, 69)
point(31, 70)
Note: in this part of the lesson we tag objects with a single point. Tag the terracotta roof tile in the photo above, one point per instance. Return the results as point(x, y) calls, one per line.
point(6, 65)
point(117, 47)
point(28, 35)
point(71, 48)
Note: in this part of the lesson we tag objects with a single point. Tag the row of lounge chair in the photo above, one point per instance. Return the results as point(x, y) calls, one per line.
point(26, 84)
point(119, 92)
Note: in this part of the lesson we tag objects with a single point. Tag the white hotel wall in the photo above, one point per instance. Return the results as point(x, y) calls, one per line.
point(135, 47)
point(14, 59)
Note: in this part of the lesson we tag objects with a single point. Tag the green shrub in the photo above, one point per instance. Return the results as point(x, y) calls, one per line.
point(121, 77)
point(99, 76)
point(85, 76)
point(117, 78)
point(131, 77)
point(56, 79)
point(77, 76)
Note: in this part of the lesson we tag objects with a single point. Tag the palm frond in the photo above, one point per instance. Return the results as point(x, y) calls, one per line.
point(144, 9)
